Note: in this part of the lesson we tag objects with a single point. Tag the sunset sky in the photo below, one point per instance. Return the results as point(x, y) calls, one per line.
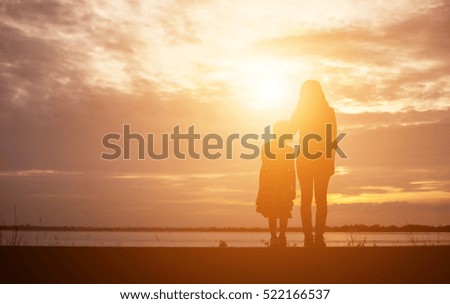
point(73, 71)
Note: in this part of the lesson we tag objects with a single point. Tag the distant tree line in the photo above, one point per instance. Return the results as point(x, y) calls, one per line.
point(344, 228)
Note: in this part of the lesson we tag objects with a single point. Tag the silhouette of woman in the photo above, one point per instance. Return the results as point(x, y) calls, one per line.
point(314, 166)
point(277, 183)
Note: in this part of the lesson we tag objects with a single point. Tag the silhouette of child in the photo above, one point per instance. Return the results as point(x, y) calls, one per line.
point(277, 182)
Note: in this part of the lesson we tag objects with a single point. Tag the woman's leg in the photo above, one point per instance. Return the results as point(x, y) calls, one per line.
point(306, 187)
point(320, 192)
point(283, 227)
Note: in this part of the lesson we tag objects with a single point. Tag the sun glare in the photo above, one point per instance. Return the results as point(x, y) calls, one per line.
point(262, 84)
point(267, 91)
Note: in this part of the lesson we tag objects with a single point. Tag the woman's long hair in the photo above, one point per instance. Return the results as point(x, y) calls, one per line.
point(312, 99)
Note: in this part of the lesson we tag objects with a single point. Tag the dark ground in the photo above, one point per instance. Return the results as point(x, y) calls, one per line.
point(225, 265)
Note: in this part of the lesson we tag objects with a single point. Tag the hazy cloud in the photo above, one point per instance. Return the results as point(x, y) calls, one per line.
point(406, 59)
point(72, 71)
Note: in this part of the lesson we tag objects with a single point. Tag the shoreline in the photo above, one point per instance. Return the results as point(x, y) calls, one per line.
point(345, 228)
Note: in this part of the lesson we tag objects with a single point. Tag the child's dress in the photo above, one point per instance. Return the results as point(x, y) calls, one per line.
point(276, 182)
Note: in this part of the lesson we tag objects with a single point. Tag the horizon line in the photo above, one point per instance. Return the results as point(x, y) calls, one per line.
point(341, 228)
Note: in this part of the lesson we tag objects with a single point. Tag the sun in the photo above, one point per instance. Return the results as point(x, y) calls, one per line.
point(268, 91)
point(263, 85)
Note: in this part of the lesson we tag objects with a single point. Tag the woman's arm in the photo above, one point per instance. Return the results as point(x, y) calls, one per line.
point(333, 130)
point(294, 122)
point(292, 182)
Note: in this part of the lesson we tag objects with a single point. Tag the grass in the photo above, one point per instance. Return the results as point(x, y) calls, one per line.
point(14, 235)
point(223, 244)
point(352, 241)
point(16, 238)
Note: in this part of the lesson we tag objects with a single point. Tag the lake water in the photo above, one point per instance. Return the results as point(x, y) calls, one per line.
point(212, 239)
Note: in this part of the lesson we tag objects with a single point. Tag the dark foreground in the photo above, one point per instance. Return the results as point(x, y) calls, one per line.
point(224, 265)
